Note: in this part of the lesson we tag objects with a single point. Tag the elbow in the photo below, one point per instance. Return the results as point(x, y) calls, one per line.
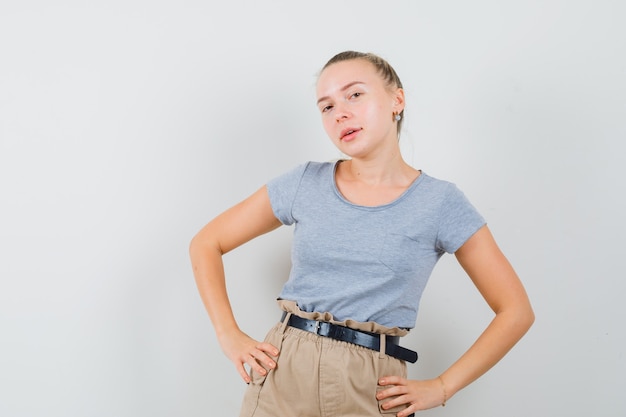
point(194, 252)
point(203, 244)
point(527, 312)
point(193, 246)
point(530, 317)
point(525, 318)
point(519, 318)
point(198, 245)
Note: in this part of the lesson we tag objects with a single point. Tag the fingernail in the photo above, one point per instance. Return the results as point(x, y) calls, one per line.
point(381, 382)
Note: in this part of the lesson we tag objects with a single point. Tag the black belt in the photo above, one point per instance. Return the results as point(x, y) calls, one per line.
point(345, 334)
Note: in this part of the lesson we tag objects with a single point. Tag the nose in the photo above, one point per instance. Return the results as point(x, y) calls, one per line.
point(341, 113)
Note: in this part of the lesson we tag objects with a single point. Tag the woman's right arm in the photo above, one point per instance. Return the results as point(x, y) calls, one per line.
point(236, 226)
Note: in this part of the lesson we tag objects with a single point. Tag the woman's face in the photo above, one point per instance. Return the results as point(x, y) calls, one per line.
point(357, 107)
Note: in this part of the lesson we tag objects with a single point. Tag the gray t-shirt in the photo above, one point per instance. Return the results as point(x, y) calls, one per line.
point(367, 263)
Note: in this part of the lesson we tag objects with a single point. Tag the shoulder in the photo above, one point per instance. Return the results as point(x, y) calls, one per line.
point(441, 193)
point(436, 186)
point(311, 167)
point(434, 181)
point(312, 170)
point(319, 167)
point(304, 172)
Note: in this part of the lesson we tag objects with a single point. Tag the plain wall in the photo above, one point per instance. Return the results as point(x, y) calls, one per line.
point(125, 126)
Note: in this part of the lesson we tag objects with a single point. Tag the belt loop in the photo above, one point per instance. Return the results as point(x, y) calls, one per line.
point(285, 320)
point(383, 346)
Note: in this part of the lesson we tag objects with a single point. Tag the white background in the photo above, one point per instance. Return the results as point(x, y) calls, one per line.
point(125, 126)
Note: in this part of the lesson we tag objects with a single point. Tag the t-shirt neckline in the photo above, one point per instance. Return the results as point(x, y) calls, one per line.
point(398, 200)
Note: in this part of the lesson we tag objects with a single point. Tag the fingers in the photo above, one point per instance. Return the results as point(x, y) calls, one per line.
point(248, 354)
point(395, 391)
point(260, 359)
point(268, 348)
point(392, 380)
point(242, 372)
point(265, 354)
point(413, 394)
point(399, 400)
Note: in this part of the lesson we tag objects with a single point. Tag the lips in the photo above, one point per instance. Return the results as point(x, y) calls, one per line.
point(349, 133)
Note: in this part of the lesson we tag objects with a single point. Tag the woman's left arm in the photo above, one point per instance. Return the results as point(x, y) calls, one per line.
point(501, 288)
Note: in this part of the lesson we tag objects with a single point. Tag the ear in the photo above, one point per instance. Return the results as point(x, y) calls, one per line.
point(398, 100)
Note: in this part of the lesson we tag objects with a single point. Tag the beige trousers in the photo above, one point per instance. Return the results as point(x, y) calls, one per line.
point(319, 377)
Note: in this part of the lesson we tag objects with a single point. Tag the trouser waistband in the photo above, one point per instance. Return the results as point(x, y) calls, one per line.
point(372, 341)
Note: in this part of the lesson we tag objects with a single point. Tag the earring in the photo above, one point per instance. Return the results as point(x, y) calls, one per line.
point(397, 117)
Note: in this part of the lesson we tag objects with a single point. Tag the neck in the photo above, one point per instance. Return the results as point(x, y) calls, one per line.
point(379, 170)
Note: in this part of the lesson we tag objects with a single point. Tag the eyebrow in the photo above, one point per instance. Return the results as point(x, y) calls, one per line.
point(344, 88)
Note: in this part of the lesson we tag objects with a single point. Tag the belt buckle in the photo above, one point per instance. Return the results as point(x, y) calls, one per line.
point(317, 327)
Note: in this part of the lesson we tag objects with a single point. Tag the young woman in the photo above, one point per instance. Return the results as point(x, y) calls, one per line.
point(368, 232)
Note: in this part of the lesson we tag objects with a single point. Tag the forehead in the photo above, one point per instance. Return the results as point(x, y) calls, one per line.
point(340, 74)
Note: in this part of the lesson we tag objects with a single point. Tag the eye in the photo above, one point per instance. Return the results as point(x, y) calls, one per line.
point(326, 108)
point(356, 94)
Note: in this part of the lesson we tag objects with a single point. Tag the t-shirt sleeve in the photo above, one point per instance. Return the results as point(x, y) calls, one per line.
point(282, 191)
point(458, 221)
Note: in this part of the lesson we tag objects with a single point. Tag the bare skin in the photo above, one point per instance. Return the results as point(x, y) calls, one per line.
point(357, 109)
point(236, 226)
point(502, 290)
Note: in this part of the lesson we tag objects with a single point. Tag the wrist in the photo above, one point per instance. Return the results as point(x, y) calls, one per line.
point(226, 330)
point(443, 390)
